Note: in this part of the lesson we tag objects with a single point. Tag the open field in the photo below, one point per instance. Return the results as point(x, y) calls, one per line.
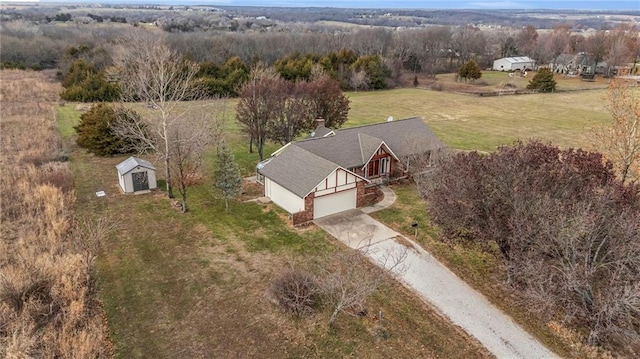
point(461, 121)
point(48, 302)
point(196, 282)
point(492, 80)
point(193, 285)
point(482, 123)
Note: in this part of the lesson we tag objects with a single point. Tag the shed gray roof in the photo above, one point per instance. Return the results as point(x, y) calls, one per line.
point(518, 59)
point(298, 170)
point(352, 147)
point(132, 162)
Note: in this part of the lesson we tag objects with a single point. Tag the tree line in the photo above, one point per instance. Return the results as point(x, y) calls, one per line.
point(88, 82)
point(430, 50)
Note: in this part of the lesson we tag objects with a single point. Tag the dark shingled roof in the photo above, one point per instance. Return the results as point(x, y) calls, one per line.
point(351, 147)
point(300, 166)
point(319, 132)
point(298, 170)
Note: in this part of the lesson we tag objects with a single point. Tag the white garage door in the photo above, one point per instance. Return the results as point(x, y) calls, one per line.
point(334, 203)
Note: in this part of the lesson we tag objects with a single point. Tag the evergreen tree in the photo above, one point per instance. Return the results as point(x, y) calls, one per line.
point(95, 133)
point(228, 178)
point(84, 83)
point(543, 81)
point(470, 70)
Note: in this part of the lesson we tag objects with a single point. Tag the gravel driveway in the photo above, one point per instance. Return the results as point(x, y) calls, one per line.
point(436, 285)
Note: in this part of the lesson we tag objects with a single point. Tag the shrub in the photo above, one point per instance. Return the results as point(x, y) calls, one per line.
point(83, 83)
point(295, 291)
point(543, 81)
point(95, 133)
point(568, 230)
point(470, 71)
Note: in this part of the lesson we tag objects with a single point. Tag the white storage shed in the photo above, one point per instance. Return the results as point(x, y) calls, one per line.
point(136, 175)
point(514, 63)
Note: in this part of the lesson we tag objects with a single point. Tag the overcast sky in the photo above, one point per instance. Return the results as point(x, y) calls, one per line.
point(426, 4)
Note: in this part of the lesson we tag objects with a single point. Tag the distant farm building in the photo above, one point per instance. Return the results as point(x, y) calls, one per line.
point(514, 64)
point(578, 64)
point(136, 175)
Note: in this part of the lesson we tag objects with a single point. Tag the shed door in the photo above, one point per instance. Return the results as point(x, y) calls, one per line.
point(140, 181)
point(334, 203)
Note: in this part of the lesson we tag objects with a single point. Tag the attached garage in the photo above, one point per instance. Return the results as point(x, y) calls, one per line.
point(136, 175)
point(308, 186)
point(334, 203)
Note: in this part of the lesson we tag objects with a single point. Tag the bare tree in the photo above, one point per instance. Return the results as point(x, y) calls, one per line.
point(149, 71)
point(435, 45)
point(468, 41)
point(291, 114)
point(527, 40)
point(257, 105)
point(623, 46)
point(597, 45)
point(359, 80)
point(373, 41)
point(558, 41)
point(188, 144)
point(621, 141)
point(326, 100)
point(567, 228)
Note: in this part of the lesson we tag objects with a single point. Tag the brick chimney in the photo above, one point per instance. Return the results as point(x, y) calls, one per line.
point(320, 122)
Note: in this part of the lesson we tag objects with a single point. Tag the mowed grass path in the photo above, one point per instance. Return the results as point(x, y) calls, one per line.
point(483, 123)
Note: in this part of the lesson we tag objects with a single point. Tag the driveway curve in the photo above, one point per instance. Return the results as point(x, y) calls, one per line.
point(435, 284)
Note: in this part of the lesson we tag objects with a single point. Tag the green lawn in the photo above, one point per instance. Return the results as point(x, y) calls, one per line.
point(491, 80)
point(461, 121)
point(484, 123)
point(193, 285)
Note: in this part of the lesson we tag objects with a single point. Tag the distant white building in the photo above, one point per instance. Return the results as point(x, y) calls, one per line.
point(514, 63)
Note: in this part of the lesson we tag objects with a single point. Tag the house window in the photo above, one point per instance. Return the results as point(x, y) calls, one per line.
point(378, 167)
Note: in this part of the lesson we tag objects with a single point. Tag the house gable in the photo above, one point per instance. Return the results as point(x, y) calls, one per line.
point(339, 180)
point(383, 150)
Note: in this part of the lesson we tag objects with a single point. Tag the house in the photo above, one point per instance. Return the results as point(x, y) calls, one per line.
point(331, 170)
point(136, 175)
point(514, 64)
point(578, 64)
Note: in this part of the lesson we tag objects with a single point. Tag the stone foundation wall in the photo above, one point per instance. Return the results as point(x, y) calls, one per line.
point(306, 215)
point(368, 196)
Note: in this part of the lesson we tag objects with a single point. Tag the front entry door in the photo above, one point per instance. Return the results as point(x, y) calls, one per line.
point(140, 181)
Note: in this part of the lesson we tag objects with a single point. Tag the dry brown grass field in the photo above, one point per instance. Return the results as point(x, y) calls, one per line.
point(48, 305)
